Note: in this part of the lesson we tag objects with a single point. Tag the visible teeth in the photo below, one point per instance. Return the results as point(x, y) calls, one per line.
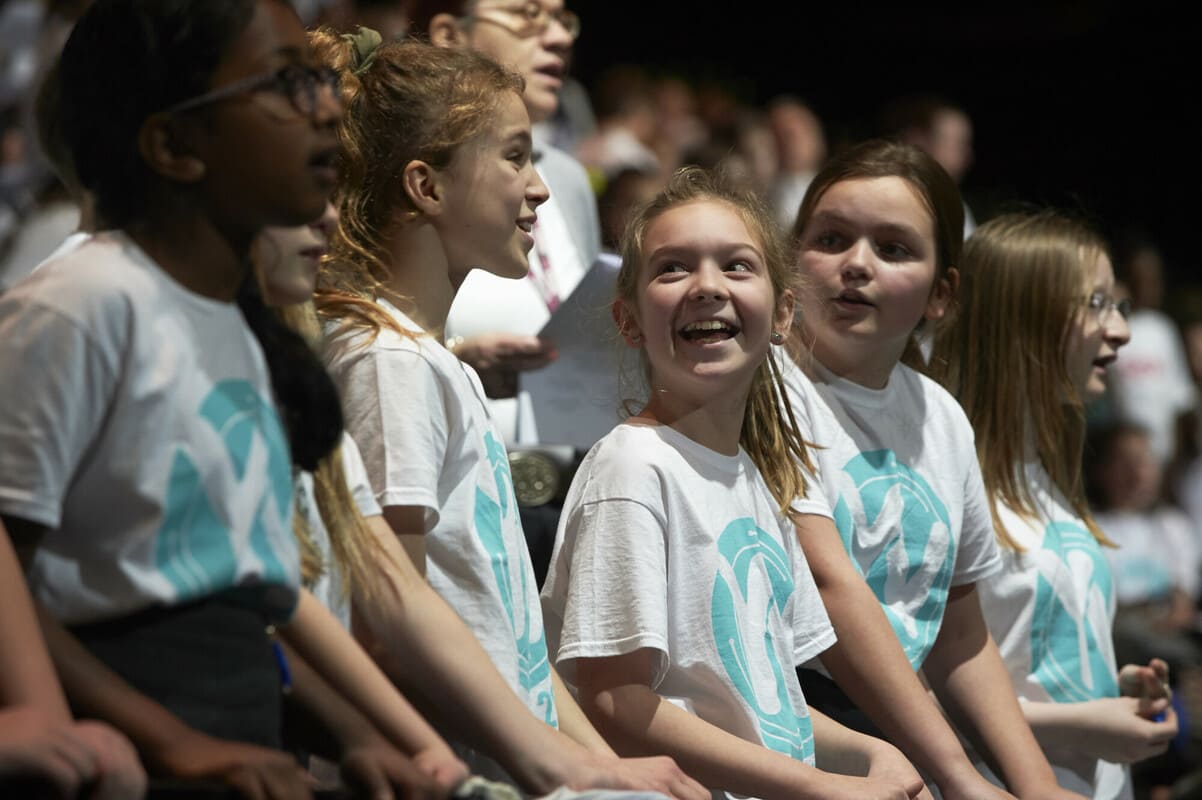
point(707, 325)
point(526, 226)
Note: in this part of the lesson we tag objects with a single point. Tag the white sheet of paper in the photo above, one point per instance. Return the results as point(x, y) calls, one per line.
point(578, 398)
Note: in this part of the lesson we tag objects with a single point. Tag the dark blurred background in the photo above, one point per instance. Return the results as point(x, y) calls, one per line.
point(1077, 104)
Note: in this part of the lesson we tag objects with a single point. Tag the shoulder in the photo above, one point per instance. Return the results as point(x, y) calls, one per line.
point(632, 460)
point(936, 402)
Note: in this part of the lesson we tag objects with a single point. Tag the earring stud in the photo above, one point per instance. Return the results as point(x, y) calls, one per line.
point(777, 337)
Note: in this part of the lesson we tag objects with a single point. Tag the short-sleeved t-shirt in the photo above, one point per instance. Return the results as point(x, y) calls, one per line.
point(900, 472)
point(668, 545)
point(138, 427)
point(1050, 610)
point(417, 414)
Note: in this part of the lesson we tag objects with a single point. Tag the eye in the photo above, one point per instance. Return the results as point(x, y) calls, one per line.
point(739, 266)
point(1097, 301)
point(826, 240)
point(895, 251)
point(670, 268)
point(532, 12)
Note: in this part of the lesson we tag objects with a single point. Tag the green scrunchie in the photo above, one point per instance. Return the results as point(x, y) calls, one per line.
point(366, 42)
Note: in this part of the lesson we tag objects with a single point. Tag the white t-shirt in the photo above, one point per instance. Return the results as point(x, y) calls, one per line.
point(328, 588)
point(417, 414)
point(901, 475)
point(1157, 551)
point(137, 425)
point(1050, 610)
point(666, 544)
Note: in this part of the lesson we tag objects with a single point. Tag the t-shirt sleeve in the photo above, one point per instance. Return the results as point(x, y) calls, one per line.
point(617, 596)
point(396, 410)
point(57, 383)
point(357, 480)
point(815, 501)
point(977, 555)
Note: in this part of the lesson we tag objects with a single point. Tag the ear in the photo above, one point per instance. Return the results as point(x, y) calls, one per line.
point(628, 326)
point(164, 151)
point(782, 320)
point(941, 294)
point(446, 32)
point(423, 185)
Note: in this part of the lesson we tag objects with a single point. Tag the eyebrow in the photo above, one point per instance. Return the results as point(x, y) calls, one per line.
point(889, 227)
point(671, 250)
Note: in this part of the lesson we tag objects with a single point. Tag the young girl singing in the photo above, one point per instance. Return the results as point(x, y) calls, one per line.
point(438, 180)
point(1036, 329)
point(879, 237)
point(678, 599)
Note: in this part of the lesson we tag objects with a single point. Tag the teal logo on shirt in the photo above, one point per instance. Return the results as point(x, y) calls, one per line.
point(194, 549)
point(1072, 598)
point(534, 667)
point(896, 524)
point(744, 615)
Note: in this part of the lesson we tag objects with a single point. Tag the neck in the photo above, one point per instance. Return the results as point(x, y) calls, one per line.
point(195, 254)
point(869, 366)
point(422, 284)
point(715, 423)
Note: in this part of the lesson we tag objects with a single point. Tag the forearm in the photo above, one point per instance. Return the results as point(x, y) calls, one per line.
point(340, 661)
point(318, 716)
point(96, 691)
point(27, 675)
point(641, 723)
point(967, 674)
point(870, 666)
point(573, 723)
point(425, 645)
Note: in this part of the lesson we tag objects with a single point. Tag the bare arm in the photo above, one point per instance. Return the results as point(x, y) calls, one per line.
point(869, 665)
point(426, 645)
point(967, 674)
point(616, 694)
point(166, 744)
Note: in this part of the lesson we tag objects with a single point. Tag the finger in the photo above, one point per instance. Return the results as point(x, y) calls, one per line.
point(60, 773)
point(245, 782)
point(286, 782)
point(368, 776)
point(79, 754)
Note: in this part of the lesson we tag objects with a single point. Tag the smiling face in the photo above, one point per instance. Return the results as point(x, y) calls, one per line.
point(1095, 334)
point(287, 259)
point(541, 58)
point(868, 253)
point(705, 307)
point(492, 193)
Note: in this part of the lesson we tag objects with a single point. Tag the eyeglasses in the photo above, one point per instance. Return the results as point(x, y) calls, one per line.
point(530, 19)
point(1104, 305)
point(296, 82)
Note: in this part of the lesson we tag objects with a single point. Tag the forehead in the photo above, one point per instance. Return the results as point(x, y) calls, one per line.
point(888, 200)
point(701, 223)
point(273, 35)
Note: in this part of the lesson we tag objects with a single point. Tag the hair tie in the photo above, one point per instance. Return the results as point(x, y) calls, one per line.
point(365, 42)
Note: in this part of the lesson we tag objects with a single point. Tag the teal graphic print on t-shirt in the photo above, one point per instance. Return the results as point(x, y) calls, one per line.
point(194, 549)
point(1072, 598)
point(745, 612)
point(534, 667)
point(891, 519)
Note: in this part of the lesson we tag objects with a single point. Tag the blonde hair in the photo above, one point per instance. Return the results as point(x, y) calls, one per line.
point(356, 553)
point(770, 434)
point(408, 101)
point(1023, 278)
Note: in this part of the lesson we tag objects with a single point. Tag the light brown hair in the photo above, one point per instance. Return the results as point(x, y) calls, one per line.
point(1023, 279)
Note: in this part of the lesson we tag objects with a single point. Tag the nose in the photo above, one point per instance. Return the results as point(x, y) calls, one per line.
point(857, 262)
point(326, 223)
point(557, 36)
point(707, 283)
point(1117, 331)
point(536, 190)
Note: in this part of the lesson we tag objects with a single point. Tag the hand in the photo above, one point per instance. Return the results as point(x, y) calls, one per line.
point(655, 774)
point(1113, 730)
point(255, 772)
point(119, 772)
point(380, 771)
point(1150, 684)
point(441, 765)
point(1052, 791)
point(506, 351)
point(870, 788)
point(973, 786)
point(36, 746)
point(886, 762)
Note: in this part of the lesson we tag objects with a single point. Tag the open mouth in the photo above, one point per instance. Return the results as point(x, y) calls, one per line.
point(852, 298)
point(526, 225)
point(709, 330)
point(1104, 361)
